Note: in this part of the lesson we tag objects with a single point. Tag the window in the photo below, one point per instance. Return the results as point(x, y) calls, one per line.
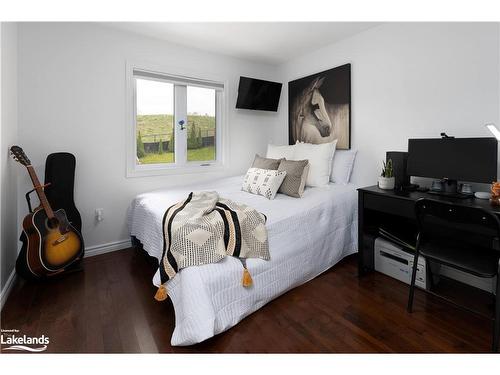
point(201, 123)
point(154, 125)
point(177, 123)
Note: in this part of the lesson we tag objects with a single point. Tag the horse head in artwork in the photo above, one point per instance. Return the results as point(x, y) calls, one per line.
point(311, 120)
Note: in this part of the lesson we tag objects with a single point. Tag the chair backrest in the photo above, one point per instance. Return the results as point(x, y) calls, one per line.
point(456, 223)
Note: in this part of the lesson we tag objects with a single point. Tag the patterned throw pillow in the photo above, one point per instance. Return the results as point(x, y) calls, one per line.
point(296, 176)
point(263, 182)
point(266, 163)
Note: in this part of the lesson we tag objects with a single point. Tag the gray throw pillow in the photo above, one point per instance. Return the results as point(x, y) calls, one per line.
point(296, 176)
point(265, 163)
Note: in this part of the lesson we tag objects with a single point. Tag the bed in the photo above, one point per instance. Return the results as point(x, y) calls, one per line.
point(307, 236)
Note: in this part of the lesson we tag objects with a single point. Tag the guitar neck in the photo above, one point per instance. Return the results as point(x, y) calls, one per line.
point(39, 191)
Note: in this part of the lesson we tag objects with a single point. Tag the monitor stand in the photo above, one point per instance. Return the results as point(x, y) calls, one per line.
point(450, 190)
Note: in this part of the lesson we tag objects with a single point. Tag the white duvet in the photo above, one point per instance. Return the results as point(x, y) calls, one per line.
point(307, 236)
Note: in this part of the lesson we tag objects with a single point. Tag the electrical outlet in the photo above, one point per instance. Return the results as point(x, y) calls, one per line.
point(99, 212)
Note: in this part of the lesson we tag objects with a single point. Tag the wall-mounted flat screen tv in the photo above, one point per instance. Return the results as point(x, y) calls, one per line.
point(258, 94)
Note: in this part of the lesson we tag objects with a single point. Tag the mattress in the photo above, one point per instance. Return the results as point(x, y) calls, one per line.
point(307, 236)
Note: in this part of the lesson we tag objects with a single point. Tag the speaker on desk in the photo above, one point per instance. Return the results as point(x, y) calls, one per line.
point(399, 161)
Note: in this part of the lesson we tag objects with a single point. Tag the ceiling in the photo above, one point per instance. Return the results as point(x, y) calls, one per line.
point(265, 42)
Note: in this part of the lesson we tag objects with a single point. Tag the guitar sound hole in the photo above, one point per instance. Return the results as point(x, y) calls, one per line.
point(52, 223)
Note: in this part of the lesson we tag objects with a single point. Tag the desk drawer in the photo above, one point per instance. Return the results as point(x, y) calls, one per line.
point(391, 205)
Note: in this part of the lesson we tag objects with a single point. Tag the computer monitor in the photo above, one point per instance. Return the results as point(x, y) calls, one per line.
point(454, 159)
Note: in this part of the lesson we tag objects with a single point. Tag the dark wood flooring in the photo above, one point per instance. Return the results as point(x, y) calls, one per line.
point(110, 308)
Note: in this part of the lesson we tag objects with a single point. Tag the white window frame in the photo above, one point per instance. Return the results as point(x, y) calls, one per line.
point(177, 76)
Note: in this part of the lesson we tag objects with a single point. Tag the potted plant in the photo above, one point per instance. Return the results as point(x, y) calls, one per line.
point(386, 180)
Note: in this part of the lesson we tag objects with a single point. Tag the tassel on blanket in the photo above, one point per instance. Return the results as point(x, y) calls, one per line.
point(161, 293)
point(247, 278)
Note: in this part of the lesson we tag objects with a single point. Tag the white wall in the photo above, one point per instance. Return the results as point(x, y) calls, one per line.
point(8, 189)
point(72, 98)
point(410, 80)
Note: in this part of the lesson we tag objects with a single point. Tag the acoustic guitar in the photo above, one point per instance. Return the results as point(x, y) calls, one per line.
point(51, 244)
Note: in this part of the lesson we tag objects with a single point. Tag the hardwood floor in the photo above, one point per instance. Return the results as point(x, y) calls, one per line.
point(110, 308)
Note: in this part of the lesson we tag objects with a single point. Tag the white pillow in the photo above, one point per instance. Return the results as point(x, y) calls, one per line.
point(320, 161)
point(343, 163)
point(279, 152)
point(265, 182)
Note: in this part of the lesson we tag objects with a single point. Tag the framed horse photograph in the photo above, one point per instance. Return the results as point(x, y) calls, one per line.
point(319, 108)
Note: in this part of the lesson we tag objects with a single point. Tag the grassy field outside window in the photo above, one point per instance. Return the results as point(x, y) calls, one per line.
point(155, 138)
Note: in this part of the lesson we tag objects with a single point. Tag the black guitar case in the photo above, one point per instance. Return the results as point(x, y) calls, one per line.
point(60, 173)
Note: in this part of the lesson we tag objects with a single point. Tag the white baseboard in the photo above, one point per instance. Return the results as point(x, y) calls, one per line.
point(7, 288)
point(107, 248)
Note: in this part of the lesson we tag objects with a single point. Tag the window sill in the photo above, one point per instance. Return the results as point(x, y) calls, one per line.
point(160, 170)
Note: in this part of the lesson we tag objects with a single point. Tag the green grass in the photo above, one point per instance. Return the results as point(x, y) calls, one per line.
point(155, 127)
point(166, 157)
point(200, 154)
point(149, 125)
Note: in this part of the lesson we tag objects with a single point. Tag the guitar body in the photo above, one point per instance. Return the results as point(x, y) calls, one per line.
point(49, 245)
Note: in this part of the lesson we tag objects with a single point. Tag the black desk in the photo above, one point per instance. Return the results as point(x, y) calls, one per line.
point(378, 207)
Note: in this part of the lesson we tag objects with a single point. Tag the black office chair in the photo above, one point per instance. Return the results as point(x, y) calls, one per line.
point(460, 237)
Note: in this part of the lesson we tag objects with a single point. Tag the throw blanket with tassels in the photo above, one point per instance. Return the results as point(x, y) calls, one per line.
point(205, 228)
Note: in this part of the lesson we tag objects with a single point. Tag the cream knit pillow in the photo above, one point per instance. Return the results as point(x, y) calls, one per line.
point(263, 182)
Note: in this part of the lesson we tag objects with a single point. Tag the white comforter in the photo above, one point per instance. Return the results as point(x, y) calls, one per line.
point(306, 237)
